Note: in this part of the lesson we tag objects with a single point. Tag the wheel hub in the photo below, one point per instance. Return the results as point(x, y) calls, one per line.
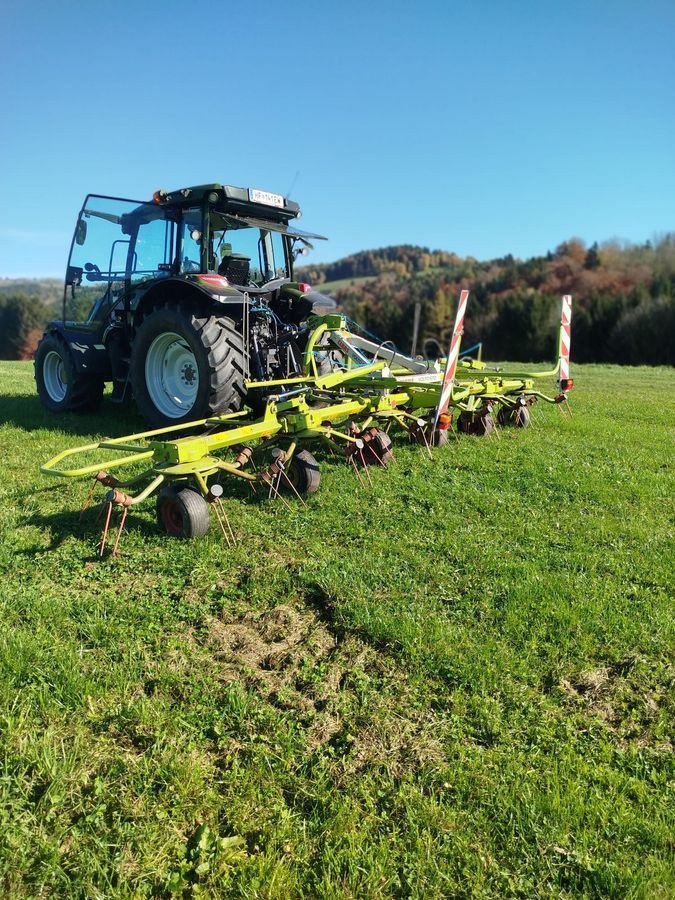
point(188, 374)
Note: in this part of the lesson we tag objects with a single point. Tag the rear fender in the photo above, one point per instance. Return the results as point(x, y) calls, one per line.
point(87, 350)
point(194, 290)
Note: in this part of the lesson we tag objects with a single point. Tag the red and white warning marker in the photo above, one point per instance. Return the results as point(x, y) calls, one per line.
point(564, 348)
point(453, 356)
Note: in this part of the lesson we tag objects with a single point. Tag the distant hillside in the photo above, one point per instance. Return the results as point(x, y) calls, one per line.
point(48, 290)
point(26, 304)
point(624, 298)
point(403, 259)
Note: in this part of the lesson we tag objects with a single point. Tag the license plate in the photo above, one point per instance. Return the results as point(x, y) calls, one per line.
point(265, 197)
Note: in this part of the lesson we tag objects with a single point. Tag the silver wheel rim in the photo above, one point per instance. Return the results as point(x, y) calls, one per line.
point(171, 375)
point(54, 376)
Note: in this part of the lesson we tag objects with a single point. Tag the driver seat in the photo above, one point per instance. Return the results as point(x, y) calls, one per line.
point(235, 267)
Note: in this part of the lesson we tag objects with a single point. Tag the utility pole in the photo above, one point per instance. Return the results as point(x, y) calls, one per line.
point(416, 329)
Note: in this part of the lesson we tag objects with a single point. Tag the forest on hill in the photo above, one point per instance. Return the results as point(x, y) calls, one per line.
point(623, 299)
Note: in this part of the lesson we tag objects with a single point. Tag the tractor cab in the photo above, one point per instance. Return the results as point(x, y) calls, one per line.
point(119, 246)
point(142, 280)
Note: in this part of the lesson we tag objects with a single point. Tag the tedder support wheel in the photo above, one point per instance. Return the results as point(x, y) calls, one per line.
point(182, 513)
point(479, 423)
point(377, 450)
point(303, 473)
point(518, 415)
point(185, 365)
point(59, 385)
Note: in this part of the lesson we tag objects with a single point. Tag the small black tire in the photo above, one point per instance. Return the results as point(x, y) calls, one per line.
point(59, 385)
point(440, 437)
point(378, 450)
point(303, 473)
point(186, 364)
point(182, 513)
point(517, 416)
point(476, 423)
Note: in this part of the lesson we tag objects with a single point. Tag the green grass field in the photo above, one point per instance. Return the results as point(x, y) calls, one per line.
point(456, 683)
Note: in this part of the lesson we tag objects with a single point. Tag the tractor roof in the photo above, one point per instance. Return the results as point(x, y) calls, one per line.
point(246, 201)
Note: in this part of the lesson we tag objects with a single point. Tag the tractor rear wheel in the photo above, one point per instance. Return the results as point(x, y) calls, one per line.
point(185, 365)
point(60, 387)
point(182, 513)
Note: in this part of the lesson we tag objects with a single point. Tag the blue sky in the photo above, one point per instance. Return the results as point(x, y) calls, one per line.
point(480, 127)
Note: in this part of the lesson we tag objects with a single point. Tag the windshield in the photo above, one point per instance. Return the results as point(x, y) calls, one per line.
point(247, 255)
point(115, 241)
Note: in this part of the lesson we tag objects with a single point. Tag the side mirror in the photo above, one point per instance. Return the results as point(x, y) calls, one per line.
point(300, 251)
point(81, 232)
point(93, 272)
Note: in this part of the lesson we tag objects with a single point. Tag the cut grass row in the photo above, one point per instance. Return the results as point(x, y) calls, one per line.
point(456, 683)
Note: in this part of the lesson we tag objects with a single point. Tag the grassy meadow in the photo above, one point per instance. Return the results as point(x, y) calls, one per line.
point(456, 682)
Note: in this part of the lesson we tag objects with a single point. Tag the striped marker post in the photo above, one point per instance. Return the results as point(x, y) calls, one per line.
point(565, 337)
point(453, 356)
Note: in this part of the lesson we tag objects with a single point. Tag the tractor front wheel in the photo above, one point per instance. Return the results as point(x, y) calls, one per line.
point(59, 385)
point(186, 365)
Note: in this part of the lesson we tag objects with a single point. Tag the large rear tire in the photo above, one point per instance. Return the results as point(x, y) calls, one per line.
point(186, 365)
point(60, 387)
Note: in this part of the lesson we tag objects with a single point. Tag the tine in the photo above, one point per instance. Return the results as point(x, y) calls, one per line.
point(569, 408)
point(378, 457)
point(119, 530)
point(89, 496)
point(220, 522)
point(293, 487)
point(275, 488)
point(223, 513)
point(104, 534)
point(365, 467)
point(426, 442)
point(356, 469)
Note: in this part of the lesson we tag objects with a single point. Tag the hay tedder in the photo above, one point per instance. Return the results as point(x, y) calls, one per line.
point(351, 395)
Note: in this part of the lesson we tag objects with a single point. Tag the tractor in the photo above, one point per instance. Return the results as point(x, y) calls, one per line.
point(180, 302)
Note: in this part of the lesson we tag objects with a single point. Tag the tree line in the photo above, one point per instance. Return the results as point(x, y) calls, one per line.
point(624, 299)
